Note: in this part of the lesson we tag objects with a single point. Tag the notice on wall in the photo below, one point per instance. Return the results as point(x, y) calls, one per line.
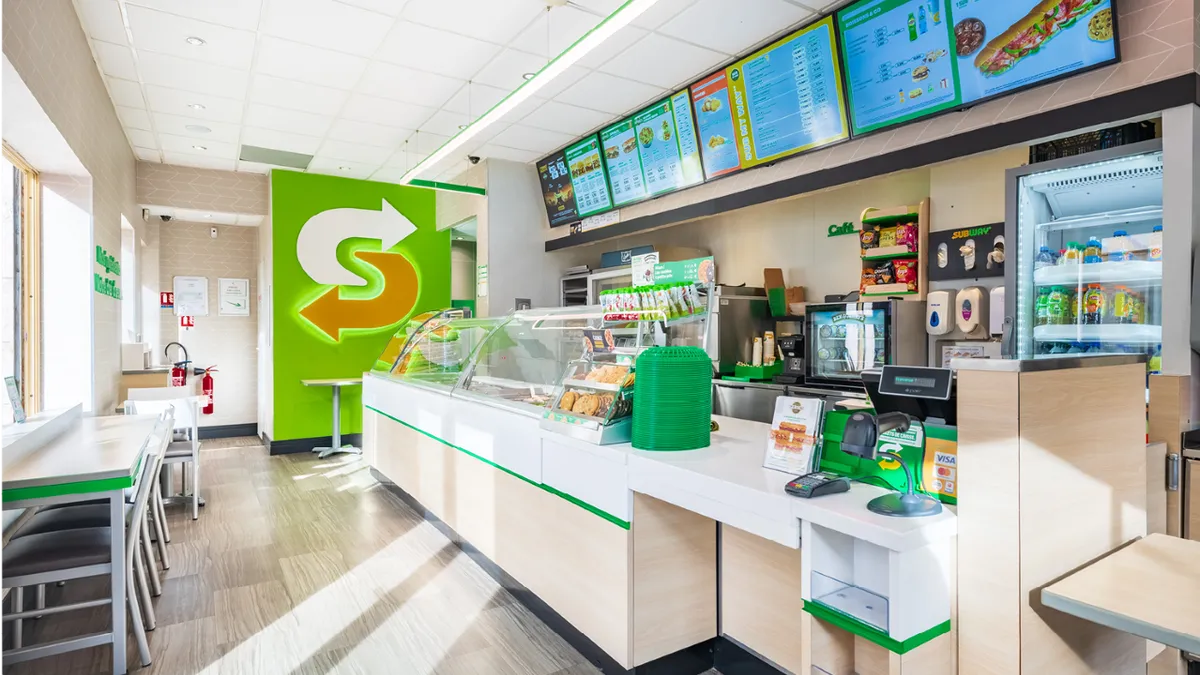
point(14, 399)
point(191, 296)
point(481, 281)
point(233, 296)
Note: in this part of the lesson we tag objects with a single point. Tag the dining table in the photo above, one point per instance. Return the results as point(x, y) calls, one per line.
point(89, 458)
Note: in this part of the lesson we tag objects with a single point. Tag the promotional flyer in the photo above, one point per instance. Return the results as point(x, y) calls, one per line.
point(557, 190)
point(714, 122)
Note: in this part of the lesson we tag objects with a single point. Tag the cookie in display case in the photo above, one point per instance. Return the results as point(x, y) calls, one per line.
point(594, 399)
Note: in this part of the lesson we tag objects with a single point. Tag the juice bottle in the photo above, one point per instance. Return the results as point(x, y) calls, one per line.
point(1120, 249)
point(1095, 304)
point(912, 27)
point(1056, 306)
point(1073, 254)
point(1122, 306)
point(1091, 254)
point(1041, 314)
point(1154, 365)
point(1061, 258)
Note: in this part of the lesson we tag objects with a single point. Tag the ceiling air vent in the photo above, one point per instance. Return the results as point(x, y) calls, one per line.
point(294, 160)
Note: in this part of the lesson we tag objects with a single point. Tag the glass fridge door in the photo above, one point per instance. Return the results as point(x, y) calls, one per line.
point(1089, 257)
point(844, 340)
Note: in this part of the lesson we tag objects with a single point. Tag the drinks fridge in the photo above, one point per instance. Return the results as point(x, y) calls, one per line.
point(1087, 268)
point(844, 339)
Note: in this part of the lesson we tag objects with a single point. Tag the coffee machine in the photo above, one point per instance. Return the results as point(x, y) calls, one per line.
point(792, 347)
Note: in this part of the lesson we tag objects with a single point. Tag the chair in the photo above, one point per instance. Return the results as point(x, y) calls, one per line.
point(54, 556)
point(187, 420)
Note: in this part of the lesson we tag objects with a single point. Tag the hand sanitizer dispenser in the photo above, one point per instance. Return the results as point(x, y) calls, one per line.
point(997, 310)
point(971, 311)
point(939, 312)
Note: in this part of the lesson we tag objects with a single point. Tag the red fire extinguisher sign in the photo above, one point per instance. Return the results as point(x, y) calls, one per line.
point(166, 299)
point(187, 322)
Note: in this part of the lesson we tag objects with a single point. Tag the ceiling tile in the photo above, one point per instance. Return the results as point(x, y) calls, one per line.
point(134, 118)
point(366, 133)
point(533, 140)
point(389, 7)
point(326, 23)
point(283, 119)
point(171, 71)
point(491, 20)
point(445, 122)
point(306, 63)
point(402, 161)
point(451, 173)
point(146, 154)
point(610, 48)
point(354, 152)
point(564, 118)
point(101, 20)
point(663, 62)
point(177, 102)
point(178, 126)
point(338, 167)
point(188, 146)
point(254, 167)
point(710, 23)
point(508, 67)
point(479, 100)
point(389, 174)
point(563, 82)
point(567, 25)
point(425, 143)
point(168, 34)
point(409, 85)
point(608, 93)
point(241, 14)
point(126, 92)
point(663, 11)
point(501, 152)
point(280, 140)
point(388, 113)
point(115, 60)
point(295, 95)
point(437, 51)
point(141, 139)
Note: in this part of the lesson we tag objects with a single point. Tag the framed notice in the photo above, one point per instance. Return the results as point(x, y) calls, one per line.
point(14, 398)
point(794, 443)
point(234, 297)
point(191, 296)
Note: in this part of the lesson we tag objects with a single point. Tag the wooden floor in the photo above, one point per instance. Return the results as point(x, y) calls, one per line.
point(299, 566)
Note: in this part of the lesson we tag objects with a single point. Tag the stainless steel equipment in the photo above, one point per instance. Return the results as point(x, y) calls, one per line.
point(792, 347)
point(755, 401)
point(738, 314)
point(845, 339)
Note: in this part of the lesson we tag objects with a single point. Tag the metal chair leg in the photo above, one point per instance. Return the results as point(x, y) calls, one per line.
point(143, 589)
point(160, 537)
point(40, 599)
point(139, 630)
point(148, 552)
point(195, 488)
point(18, 604)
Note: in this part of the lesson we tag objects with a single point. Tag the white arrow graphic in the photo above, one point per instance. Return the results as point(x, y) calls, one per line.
point(316, 247)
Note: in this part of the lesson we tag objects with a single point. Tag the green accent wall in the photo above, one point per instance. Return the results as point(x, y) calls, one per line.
point(301, 350)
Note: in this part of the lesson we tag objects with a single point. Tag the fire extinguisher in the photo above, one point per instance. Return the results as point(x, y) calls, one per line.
point(179, 371)
point(206, 386)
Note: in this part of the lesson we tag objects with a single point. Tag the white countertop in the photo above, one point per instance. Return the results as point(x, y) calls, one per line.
point(92, 448)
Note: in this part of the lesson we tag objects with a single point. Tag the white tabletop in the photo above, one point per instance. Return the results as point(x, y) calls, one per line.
point(332, 382)
point(95, 448)
point(1150, 588)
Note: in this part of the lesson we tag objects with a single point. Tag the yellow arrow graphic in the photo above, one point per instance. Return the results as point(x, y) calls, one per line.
point(332, 314)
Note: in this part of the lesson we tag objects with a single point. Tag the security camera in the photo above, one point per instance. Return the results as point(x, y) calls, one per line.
point(165, 218)
point(472, 159)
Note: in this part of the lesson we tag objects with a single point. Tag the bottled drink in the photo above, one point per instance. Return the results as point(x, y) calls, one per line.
point(1091, 254)
point(1074, 306)
point(1095, 304)
point(1156, 243)
point(1154, 365)
point(1056, 306)
point(1120, 249)
point(921, 19)
point(1073, 253)
point(1122, 305)
point(1041, 315)
point(935, 8)
point(912, 27)
point(1044, 258)
point(1058, 348)
point(1094, 348)
point(1075, 348)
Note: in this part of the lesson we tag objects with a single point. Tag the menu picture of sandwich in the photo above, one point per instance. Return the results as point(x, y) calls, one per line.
point(794, 441)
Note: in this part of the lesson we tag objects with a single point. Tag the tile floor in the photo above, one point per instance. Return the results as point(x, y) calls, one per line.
point(299, 566)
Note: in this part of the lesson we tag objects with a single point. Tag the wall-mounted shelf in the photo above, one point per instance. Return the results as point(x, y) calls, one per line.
point(876, 219)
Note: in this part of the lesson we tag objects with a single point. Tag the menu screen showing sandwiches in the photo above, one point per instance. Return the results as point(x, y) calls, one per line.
point(897, 60)
point(714, 124)
point(787, 98)
point(670, 157)
point(557, 191)
point(1002, 45)
point(623, 162)
point(587, 177)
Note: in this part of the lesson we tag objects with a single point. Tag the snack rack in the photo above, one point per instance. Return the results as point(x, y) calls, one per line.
point(911, 253)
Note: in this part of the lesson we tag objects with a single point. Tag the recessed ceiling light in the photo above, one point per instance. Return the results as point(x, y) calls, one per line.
point(200, 129)
point(343, 168)
point(529, 76)
point(199, 147)
point(208, 215)
point(196, 106)
point(199, 42)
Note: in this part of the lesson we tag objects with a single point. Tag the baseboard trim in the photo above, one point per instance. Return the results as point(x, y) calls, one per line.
point(690, 661)
point(228, 431)
point(734, 658)
point(298, 445)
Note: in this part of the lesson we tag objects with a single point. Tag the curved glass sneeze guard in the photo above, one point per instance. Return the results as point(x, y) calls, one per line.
point(435, 350)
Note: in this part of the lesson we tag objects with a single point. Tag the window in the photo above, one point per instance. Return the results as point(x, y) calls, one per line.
point(20, 282)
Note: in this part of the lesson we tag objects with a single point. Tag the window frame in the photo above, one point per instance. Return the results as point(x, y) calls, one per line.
point(28, 279)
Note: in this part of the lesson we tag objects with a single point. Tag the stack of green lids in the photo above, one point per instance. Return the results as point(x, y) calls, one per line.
point(672, 402)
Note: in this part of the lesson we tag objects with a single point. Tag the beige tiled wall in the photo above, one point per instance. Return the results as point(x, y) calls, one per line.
point(45, 43)
point(229, 342)
point(204, 189)
point(1159, 40)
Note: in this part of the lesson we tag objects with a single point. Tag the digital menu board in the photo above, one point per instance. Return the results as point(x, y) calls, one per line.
point(714, 125)
point(557, 191)
point(588, 177)
point(905, 59)
point(787, 97)
point(623, 162)
point(666, 141)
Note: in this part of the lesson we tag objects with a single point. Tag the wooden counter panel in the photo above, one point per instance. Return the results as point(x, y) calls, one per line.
point(674, 579)
point(826, 647)
point(1170, 414)
point(760, 596)
point(1082, 494)
point(989, 604)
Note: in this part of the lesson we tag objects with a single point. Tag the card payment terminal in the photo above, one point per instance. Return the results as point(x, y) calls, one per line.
point(817, 484)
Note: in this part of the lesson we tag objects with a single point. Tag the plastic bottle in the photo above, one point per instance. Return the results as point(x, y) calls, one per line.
point(1044, 258)
point(1156, 245)
point(1058, 348)
point(1076, 348)
point(1073, 253)
point(1061, 258)
point(1095, 304)
point(1041, 313)
point(1154, 365)
point(1094, 348)
point(1122, 306)
point(1120, 249)
point(1091, 254)
point(1056, 306)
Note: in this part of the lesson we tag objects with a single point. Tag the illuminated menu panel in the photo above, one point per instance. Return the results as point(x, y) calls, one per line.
point(623, 162)
point(557, 191)
point(588, 177)
point(714, 125)
point(669, 155)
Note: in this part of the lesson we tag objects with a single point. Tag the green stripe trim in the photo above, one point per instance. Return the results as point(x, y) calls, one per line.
point(61, 489)
point(868, 632)
point(623, 524)
point(448, 187)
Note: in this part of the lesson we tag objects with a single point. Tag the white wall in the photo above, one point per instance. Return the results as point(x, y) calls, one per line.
point(462, 270)
point(1181, 184)
point(148, 252)
point(264, 339)
point(67, 288)
point(511, 241)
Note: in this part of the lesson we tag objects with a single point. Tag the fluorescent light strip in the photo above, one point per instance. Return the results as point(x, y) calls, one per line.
point(597, 36)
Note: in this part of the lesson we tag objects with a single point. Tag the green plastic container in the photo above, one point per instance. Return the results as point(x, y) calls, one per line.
point(672, 399)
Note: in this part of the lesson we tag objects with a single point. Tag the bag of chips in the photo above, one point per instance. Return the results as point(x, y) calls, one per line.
point(884, 273)
point(887, 237)
point(906, 235)
point(868, 239)
point(906, 273)
point(868, 279)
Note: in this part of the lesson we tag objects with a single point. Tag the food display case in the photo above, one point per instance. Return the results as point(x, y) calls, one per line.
point(845, 339)
point(1088, 268)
